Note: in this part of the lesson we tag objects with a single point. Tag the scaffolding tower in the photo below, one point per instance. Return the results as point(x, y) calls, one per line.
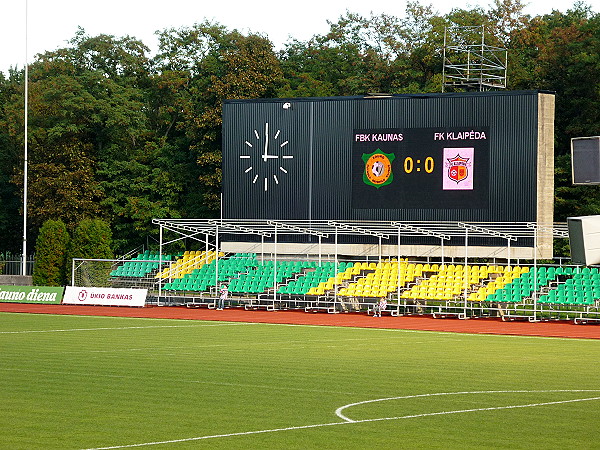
point(471, 64)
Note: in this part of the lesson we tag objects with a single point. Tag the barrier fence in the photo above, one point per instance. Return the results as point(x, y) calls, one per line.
point(457, 290)
point(11, 264)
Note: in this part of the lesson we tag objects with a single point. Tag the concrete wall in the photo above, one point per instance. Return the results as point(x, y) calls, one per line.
point(15, 280)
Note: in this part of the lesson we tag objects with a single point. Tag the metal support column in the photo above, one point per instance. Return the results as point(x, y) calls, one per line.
point(275, 268)
point(466, 269)
point(160, 260)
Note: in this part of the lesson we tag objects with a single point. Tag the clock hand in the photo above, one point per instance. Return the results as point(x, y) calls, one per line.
point(265, 155)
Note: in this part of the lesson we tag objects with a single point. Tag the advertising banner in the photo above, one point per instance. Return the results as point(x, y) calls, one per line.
point(31, 294)
point(104, 296)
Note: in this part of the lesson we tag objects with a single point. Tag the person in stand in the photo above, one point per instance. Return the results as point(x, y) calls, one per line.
point(222, 297)
point(380, 306)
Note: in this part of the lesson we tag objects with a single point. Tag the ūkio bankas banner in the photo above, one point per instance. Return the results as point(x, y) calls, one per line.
point(104, 296)
point(31, 294)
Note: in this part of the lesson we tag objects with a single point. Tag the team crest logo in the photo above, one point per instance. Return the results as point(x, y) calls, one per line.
point(378, 168)
point(459, 168)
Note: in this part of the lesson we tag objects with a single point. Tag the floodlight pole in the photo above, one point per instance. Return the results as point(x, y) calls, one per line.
point(25, 157)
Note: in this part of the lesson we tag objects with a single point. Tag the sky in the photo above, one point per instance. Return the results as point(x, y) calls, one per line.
point(51, 23)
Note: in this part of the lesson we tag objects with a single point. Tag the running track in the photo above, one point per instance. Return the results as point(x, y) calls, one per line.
point(360, 320)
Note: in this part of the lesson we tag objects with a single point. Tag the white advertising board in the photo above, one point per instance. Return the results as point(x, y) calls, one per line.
point(584, 239)
point(104, 296)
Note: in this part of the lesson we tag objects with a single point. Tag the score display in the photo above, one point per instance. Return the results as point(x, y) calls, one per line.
point(420, 168)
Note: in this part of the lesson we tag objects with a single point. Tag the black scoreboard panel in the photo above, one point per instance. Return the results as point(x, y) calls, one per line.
point(435, 157)
point(421, 168)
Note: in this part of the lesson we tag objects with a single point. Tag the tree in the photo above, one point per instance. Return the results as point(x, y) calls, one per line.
point(360, 55)
point(50, 254)
point(508, 17)
point(103, 101)
point(10, 159)
point(212, 64)
point(115, 135)
point(569, 200)
point(92, 239)
point(560, 52)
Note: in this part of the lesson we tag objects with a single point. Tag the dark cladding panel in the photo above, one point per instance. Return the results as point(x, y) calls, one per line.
point(266, 160)
point(434, 146)
point(514, 154)
point(332, 171)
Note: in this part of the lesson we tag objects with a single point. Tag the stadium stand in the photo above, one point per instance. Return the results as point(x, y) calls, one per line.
point(140, 266)
point(514, 292)
point(189, 261)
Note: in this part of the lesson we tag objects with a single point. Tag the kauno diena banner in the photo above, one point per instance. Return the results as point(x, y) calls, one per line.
point(31, 294)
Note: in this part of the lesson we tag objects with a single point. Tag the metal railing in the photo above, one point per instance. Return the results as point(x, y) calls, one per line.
point(11, 264)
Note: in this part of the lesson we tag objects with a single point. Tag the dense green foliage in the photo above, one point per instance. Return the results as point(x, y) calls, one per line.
point(100, 382)
point(119, 135)
point(91, 239)
point(50, 254)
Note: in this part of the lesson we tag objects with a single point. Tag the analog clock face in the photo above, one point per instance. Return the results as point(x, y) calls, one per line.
point(266, 153)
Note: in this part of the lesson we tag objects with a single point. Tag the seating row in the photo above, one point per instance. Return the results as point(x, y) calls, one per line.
point(196, 271)
point(143, 264)
point(187, 263)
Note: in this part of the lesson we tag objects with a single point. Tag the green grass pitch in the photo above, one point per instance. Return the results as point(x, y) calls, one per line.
point(71, 382)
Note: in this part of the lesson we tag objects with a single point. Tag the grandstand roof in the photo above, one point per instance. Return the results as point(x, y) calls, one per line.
point(512, 231)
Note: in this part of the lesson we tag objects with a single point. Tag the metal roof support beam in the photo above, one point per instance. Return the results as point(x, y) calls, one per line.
point(189, 225)
point(358, 230)
point(488, 231)
point(555, 231)
point(192, 235)
point(301, 230)
point(419, 230)
point(231, 227)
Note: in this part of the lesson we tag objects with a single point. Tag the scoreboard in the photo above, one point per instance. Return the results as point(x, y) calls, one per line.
point(413, 168)
point(485, 157)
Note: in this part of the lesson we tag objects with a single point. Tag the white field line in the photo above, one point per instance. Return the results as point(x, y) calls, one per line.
point(67, 330)
point(447, 334)
point(269, 387)
point(349, 422)
point(338, 412)
point(450, 334)
point(303, 344)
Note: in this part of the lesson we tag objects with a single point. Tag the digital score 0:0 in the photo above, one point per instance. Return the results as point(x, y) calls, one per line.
point(409, 165)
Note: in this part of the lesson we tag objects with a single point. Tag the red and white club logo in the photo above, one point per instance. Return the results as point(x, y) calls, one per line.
point(82, 295)
point(459, 168)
